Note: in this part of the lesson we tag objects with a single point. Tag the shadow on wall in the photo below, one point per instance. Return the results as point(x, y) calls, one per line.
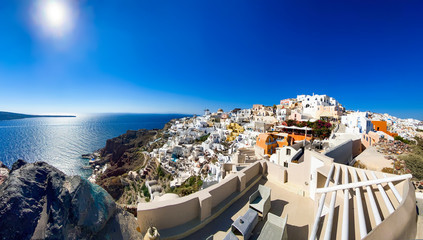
point(224, 221)
point(278, 206)
point(301, 231)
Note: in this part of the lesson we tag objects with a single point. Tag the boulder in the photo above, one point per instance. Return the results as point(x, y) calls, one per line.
point(37, 201)
point(2, 165)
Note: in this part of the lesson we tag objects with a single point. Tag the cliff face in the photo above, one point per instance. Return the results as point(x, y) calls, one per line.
point(37, 201)
point(4, 172)
point(124, 154)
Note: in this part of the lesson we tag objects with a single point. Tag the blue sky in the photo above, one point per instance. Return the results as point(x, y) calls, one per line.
point(184, 56)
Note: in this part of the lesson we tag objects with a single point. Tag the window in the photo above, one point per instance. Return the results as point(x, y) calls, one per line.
point(285, 164)
point(288, 152)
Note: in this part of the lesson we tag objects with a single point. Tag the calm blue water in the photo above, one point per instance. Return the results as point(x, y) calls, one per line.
point(62, 141)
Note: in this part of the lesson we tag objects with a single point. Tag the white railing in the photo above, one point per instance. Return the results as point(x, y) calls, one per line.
point(356, 184)
point(328, 232)
point(361, 221)
point(365, 183)
point(345, 217)
point(321, 204)
point(369, 191)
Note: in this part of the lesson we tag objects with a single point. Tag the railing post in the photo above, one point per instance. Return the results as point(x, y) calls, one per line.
point(345, 217)
point(361, 220)
point(321, 204)
point(329, 223)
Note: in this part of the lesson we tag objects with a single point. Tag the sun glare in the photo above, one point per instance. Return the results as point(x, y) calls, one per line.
point(54, 16)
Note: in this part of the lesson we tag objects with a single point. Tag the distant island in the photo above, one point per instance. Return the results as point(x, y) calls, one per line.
point(11, 116)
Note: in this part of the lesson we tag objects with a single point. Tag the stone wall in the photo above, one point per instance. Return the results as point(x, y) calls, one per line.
point(197, 206)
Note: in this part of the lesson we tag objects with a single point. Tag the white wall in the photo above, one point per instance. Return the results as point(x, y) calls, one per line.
point(357, 123)
point(315, 163)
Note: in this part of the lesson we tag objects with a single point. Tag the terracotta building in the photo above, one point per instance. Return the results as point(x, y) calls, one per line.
point(382, 126)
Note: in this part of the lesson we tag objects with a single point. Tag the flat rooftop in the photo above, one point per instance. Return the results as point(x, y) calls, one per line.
point(299, 209)
point(373, 159)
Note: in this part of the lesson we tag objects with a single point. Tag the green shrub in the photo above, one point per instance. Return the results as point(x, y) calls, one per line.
point(388, 170)
point(160, 171)
point(203, 138)
point(414, 160)
point(144, 190)
point(399, 138)
point(358, 164)
point(191, 185)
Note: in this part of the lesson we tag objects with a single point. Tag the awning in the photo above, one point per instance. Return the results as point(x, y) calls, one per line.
point(295, 127)
point(281, 134)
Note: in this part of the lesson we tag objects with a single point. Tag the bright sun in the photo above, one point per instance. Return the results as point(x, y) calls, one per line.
point(54, 16)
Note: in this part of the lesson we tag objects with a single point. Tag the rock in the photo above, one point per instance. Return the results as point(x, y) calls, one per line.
point(18, 164)
point(133, 176)
point(113, 185)
point(37, 201)
point(2, 165)
point(4, 173)
point(123, 154)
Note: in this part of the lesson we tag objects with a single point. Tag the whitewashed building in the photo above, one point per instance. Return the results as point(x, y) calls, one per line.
point(316, 105)
point(357, 122)
point(282, 114)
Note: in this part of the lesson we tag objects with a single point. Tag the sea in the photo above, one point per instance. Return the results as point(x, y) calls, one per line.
point(61, 141)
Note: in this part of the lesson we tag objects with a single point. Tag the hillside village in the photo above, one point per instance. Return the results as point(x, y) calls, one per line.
point(197, 152)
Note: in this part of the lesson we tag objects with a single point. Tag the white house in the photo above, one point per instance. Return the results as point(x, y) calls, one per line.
point(242, 115)
point(312, 104)
point(286, 154)
point(282, 114)
point(357, 122)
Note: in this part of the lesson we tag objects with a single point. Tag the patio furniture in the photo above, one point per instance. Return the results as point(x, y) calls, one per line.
point(245, 224)
point(274, 228)
point(260, 200)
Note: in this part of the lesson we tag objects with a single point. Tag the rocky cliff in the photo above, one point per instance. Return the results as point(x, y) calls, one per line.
point(125, 153)
point(37, 201)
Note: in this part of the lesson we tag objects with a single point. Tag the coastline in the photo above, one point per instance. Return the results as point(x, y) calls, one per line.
point(122, 156)
point(61, 141)
point(5, 116)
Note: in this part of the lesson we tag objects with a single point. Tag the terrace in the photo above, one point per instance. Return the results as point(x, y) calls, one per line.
point(359, 203)
point(284, 203)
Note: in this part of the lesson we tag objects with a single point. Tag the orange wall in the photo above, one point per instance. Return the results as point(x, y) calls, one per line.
point(282, 143)
point(263, 138)
point(295, 137)
point(269, 149)
point(382, 126)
